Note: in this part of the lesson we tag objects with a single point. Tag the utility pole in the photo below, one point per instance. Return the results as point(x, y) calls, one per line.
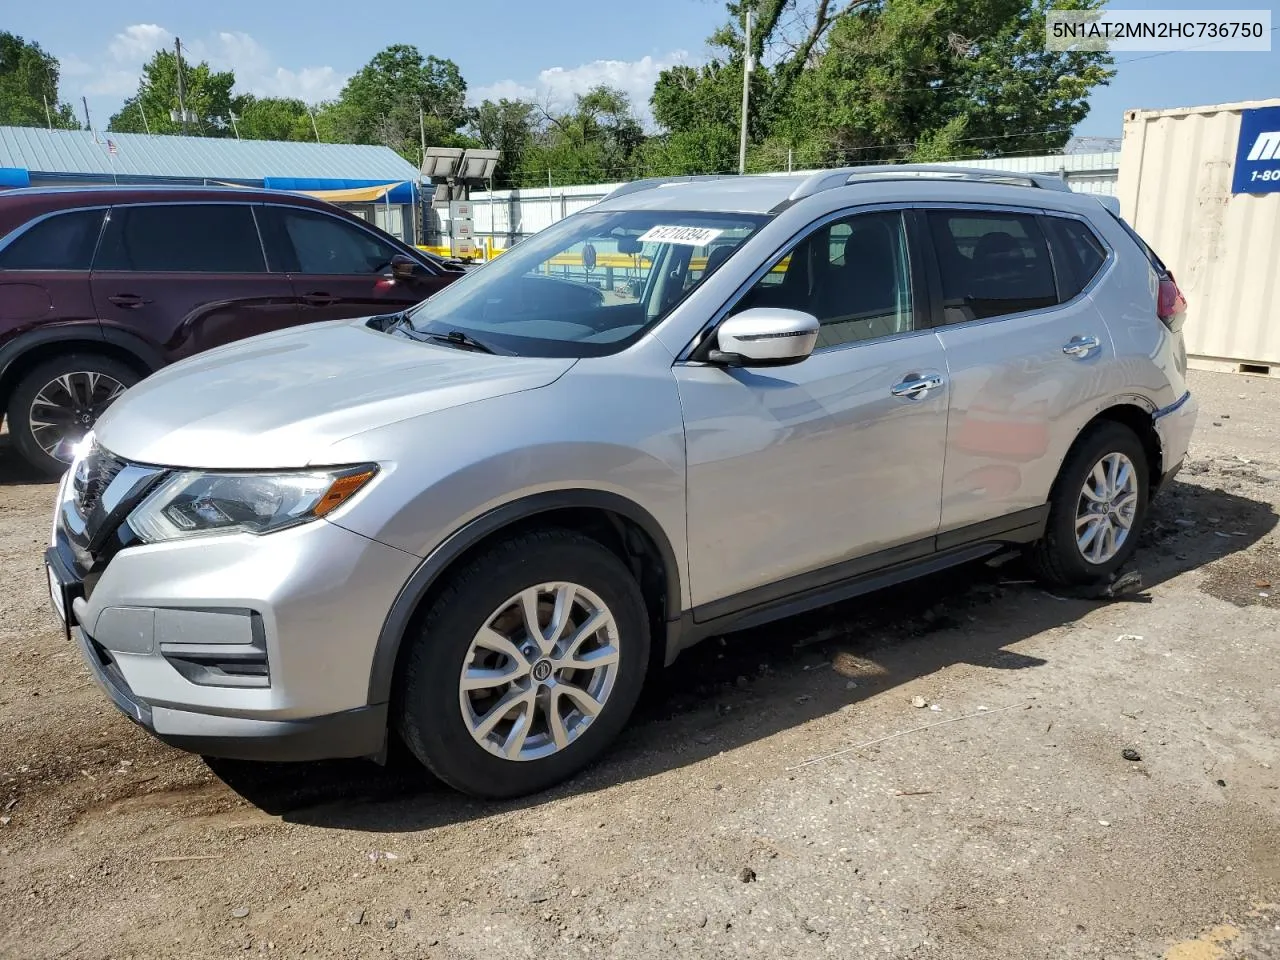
point(422, 129)
point(747, 66)
point(145, 126)
point(311, 112)
point(182, 103)
point(88, 122)
point(48, 116)
point(234, 127)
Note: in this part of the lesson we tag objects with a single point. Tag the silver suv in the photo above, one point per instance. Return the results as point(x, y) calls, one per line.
point(697, 406)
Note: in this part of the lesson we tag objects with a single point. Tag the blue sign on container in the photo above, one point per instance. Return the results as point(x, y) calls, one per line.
point(1257, 167)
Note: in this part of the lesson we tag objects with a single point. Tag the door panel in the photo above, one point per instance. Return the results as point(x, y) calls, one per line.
point(1017, 399)
point(338, 269)
point(797, 468)
point(44, 273)
point(188, 277)
point(794, 469)
point(183, 314)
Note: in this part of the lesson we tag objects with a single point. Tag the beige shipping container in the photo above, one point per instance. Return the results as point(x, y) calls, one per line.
point(1224, 249)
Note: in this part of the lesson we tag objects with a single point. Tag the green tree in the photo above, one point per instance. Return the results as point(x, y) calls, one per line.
point(206, 94)
point(508, 126)
point(29, 86)
point(397, 96)
point(273, 118)
point(600, 139)
point(874, 80)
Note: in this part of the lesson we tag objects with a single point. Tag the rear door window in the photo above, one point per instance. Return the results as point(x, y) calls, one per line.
point(992, 264)
point(182, 238)
point(64, 241)
point(1078, 254)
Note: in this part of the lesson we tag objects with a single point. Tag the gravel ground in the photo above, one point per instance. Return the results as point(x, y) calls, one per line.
point(777, 796)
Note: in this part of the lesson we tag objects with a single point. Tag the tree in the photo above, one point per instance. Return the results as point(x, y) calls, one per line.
point(206, 94)
point(507, 126)
point(397, 96)
point(852, 81)
point(273, 118)
point(29, 87)
point(600, 139)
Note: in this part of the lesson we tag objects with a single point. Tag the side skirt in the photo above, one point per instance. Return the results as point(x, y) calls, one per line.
point(853, 578)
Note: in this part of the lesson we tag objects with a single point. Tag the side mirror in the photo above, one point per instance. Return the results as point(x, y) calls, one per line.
point(405, 268)
point(765, 337)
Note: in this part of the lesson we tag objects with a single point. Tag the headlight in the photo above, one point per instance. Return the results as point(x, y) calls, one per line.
point(196, 504)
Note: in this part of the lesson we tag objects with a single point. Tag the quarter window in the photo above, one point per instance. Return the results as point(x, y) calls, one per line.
point(991, 264)
point(64, 241)
point(182, 238)
point(853, 275)
point(1078, 255)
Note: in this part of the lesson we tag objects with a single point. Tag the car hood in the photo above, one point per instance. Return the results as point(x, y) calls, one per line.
point(280, 400)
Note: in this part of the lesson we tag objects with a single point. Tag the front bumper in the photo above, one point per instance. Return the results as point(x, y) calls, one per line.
point(241, 646)
point(352, 733)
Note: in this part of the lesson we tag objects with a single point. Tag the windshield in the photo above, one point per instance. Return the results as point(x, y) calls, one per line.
point(590, 285)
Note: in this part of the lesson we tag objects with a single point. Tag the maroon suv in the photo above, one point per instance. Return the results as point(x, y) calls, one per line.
point(101, 286)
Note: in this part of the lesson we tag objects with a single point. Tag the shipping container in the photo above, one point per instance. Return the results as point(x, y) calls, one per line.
point(1202, 187)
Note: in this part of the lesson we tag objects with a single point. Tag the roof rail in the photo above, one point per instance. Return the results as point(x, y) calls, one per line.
point(830, 179)
point(635, 186)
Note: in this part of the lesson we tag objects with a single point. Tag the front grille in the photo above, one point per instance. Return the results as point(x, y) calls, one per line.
point(93, 475)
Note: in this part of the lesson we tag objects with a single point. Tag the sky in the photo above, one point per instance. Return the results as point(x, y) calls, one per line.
point(550, 49)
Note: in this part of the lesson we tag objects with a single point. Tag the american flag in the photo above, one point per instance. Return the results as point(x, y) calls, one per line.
point(111, 146)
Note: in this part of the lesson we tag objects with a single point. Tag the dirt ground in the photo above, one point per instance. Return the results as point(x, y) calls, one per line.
point(778, 795)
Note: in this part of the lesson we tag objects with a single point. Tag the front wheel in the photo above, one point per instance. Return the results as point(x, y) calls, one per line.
point(1097, 508)
point(57, 402)
point(527, 665)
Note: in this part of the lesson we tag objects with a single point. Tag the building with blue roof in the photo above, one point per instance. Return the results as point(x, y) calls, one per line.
point(375, 183)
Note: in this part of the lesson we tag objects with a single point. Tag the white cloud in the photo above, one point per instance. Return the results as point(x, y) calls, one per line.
point(115, 72)
point(560, 85)
point(257, 72)
point(136, 44)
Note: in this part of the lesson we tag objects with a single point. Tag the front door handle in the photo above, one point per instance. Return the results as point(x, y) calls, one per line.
point(1081, 346)
point(319, 299)
point(128, 300)
point(914, 387)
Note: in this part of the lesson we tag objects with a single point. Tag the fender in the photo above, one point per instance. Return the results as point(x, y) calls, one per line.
point(397, 622)
point(13, 351)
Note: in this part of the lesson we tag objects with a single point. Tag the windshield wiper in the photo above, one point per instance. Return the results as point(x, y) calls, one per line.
point(455, 338)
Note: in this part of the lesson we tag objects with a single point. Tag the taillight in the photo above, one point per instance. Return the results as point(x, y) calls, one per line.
point(1170, 303)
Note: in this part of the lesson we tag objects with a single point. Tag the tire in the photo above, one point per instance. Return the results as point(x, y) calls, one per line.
point(435, 716)
point(1057, 557)
point(102, 373)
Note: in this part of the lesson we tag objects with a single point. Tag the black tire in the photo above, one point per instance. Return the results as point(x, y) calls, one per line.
point(427, 710)
point(1056, 558)
point(24, 395)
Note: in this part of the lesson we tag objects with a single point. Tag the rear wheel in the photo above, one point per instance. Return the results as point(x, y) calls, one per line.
point(526, 667)
point(57, 402)
point(1097, 508)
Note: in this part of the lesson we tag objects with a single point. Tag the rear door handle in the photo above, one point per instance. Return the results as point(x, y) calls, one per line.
point(320, 299)
point(1081, 346)
point(913, 388)
point(128, 300)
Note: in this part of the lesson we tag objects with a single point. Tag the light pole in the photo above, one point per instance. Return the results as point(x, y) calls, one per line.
point(747, 66)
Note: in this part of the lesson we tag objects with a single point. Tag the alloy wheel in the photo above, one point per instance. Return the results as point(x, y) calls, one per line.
point(539, 671)
point(1107, 508)
point(66, 407)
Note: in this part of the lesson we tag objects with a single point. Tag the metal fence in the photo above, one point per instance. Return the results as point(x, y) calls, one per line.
point(503, 217)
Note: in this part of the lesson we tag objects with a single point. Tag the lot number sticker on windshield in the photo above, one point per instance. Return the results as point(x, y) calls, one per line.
point(692, 236)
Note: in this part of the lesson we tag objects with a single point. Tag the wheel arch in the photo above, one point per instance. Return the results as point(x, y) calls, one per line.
point(1136, 414)
point(25, 352)
point(619, 524)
